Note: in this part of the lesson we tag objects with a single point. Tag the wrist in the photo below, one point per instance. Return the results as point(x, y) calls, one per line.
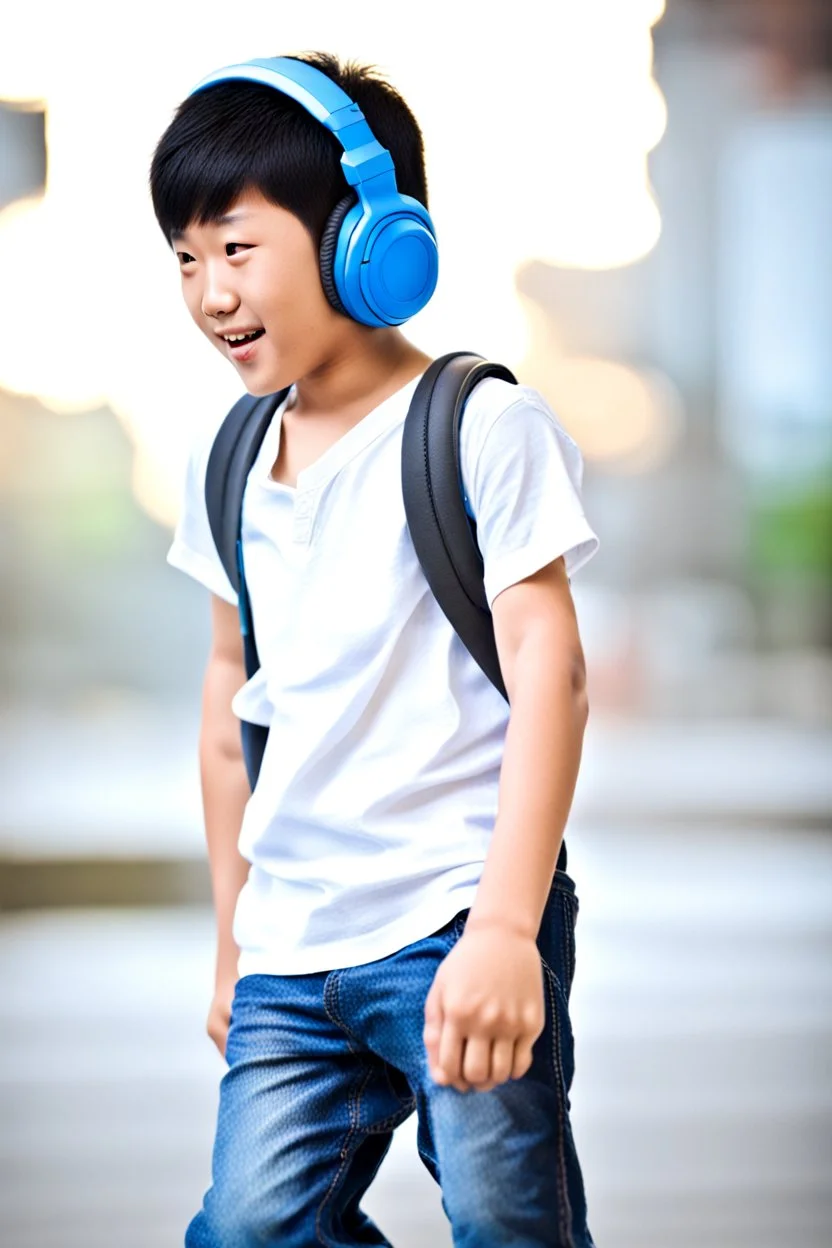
point(226, 961)
point(501, 923)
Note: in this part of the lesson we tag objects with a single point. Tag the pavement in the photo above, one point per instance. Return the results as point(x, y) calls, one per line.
point(702, 1103)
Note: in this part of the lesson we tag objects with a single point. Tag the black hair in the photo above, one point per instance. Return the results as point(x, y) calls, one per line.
point(237, 135)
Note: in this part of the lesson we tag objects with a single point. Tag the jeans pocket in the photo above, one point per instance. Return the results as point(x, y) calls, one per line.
point(556, 937)
point(451, 931)
point(458, 924)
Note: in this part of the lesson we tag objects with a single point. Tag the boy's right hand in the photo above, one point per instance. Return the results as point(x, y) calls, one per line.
point(219, 1015)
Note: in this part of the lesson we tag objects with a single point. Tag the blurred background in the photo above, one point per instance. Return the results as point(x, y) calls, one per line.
point(633, 207)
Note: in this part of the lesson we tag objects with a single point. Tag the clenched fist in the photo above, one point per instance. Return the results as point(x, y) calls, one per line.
point(485, 1009)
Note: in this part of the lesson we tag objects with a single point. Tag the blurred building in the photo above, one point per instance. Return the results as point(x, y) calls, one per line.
point(715, 572)
point(698, 383)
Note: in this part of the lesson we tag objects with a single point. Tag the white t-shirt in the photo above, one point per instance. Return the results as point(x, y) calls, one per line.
point(371, 818)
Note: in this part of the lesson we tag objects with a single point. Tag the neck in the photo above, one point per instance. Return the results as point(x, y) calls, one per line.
point(365, 366)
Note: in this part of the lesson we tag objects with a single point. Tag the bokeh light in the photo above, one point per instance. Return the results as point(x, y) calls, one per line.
point(538, 152)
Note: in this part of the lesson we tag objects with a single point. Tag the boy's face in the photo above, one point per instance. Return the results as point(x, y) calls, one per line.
point(257, 271)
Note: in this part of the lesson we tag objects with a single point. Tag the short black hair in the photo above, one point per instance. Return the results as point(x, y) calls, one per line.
point(238, 135)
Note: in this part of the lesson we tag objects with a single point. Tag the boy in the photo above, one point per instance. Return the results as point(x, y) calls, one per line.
point(389, 936)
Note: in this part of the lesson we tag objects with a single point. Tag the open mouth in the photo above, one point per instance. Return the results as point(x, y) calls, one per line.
point(241, 342)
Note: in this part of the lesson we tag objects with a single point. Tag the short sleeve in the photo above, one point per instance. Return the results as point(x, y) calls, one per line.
point(522, 474)
point(193, 550)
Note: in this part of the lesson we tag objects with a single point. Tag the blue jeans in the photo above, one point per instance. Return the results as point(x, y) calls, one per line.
point(324, 1067)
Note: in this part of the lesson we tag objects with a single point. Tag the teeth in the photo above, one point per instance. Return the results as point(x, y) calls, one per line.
point(242, 337)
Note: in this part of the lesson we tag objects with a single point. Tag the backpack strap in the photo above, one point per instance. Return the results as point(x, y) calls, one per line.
point(235, 448)
point(442, 528)
point(234, 451)
point(443, 534)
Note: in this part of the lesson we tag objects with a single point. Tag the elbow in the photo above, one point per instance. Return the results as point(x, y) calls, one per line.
point(220, 743)
point(220, 737)
point(543, 662)
point(580, 691)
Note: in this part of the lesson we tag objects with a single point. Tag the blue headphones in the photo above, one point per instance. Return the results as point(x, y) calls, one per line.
point(379, 261)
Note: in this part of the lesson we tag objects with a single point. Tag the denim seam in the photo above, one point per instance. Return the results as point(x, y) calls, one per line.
point(331, 1003)
point(423, 1108)
point(331, 1000)
point(564, 1211)
point(392, 1121)
point(408, 1101)
point(558, 986)
point(568, 917)
point(347, 1152)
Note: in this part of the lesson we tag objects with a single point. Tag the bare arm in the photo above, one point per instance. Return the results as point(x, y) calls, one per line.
point(485, 1008)
point(225, 790)
point(542, 662)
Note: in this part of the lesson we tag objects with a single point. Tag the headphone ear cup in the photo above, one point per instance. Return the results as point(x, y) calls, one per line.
point(329, 244)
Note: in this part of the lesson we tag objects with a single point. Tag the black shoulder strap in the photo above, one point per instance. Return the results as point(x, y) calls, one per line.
point(442, 534)
point(234, 451)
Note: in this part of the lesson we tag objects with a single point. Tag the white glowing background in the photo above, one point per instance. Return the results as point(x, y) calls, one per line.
point(538, 119)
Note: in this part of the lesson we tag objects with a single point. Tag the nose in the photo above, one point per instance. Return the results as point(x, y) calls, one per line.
point(218, 298)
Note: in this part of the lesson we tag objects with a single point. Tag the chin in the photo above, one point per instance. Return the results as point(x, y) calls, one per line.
point(262, 382)
point(259, 389)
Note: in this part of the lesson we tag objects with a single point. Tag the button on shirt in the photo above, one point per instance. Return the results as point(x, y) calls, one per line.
point(376, 800)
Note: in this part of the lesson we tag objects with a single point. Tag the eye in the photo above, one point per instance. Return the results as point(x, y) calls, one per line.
point(184, 258)
point(229, 248)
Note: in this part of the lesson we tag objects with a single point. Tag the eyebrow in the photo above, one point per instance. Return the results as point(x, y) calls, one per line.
point(228, 219)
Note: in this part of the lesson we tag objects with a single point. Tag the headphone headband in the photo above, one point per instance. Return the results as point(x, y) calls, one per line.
point(364, 157)
point(378, 250)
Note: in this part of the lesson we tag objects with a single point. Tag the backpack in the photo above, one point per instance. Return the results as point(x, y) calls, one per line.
point(442, 528)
